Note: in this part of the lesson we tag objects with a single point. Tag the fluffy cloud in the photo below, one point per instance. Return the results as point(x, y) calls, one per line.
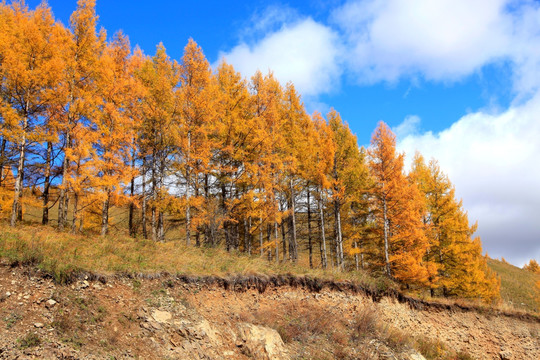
point(304, 52)
point(493, 161)
point(442, 40)
point(387, 40)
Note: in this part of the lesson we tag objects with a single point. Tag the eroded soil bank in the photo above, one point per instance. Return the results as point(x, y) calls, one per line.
point(168, 317)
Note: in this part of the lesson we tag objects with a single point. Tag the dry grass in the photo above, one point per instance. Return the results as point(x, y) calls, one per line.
point(518, 289)
point(64, 255)
point(329, 335)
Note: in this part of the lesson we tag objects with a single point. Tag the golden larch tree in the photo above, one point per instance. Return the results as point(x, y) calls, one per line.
point(397, 207)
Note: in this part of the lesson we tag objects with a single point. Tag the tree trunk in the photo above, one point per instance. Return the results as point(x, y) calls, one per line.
point(356, 257)
point(19, 178)
point(47, 185)
point(293, 245)
point(76, 203)
point(261, 236)
point(247, 237)
point(154, 199)
point(236, 237)
point(144, 204)
point(338, 234)
point(19, 207)
point(282, 226)
point(66, 208)
point(310, 244)
point(131, 224)
point(188, 181)
point(225, 222)
point(283, 239)
point(386, 244)
point(2, 159)
point(208, 239)
point(277, 240)
point(62, 197)
point(81, 222)
point(161, 227)
point(75, 212)
point(105, 215)
point(269, 239)
point(324, 258)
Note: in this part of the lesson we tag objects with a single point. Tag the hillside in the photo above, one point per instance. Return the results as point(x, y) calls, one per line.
point(177, 301)
point(118, 317)
point(518, 288)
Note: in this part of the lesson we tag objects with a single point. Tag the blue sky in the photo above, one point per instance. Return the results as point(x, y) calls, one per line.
point(458, 80)
point(218, 26)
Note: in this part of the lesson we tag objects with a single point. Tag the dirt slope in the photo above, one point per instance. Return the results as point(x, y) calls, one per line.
point(167, 318)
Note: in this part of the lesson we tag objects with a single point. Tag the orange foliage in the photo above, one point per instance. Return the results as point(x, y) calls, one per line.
point(397, 206)
point(236, 161)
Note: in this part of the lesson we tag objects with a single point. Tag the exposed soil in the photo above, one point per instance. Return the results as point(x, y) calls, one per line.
point(211, 318)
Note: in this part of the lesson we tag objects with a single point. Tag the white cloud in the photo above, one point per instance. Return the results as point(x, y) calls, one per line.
point(493, 161)
point(409, 126)
point(304, 52)
point(443, 40)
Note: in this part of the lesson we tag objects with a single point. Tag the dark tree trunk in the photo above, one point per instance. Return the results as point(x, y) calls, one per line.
point(293, 245)
point(63, 200)
point(105, 215)
point(131, 224)
point(47, 185)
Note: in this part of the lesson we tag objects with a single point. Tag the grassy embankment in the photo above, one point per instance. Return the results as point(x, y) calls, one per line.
point(64, 254)
point(518, 290)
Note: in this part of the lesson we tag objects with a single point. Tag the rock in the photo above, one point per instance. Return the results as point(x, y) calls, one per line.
point(161, 317)
point(146, 326)
point(83, 284)
point(505, 355)
point(50, 303)
point(261, 342)
point(38, 325)
point(416, 356)
point(8, 294)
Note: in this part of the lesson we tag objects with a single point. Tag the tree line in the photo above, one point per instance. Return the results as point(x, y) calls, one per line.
point(89, 124)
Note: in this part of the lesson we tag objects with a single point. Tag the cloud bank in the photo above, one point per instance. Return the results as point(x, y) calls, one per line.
point(492, 160)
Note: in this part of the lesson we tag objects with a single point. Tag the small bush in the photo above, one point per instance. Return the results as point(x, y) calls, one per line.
point(298, 322)
point(365, 323)
point(462, 356)
point(430, 348)
point(30, 340)
point(12, 319)
point(395, 339)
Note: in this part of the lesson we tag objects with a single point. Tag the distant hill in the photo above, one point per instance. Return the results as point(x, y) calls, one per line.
point(517, 285)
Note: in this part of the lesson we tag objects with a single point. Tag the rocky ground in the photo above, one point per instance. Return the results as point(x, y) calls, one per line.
point(171, 318)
